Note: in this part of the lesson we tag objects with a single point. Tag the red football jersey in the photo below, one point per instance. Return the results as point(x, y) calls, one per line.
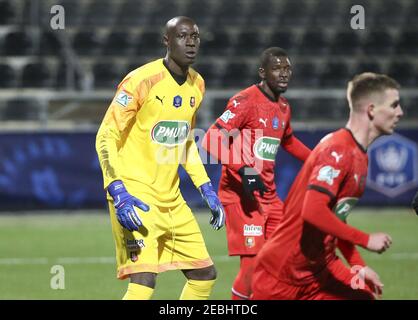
point(297, 252)
point(261, 124)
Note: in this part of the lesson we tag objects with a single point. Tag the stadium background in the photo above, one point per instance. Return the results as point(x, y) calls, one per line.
point(55, 86)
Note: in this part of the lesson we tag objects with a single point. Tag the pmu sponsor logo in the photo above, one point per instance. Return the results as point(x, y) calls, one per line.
point(344, 207)
point(135, 244)
point(266, 148)
point(170, 132)
point(252, 230)
point(393, 167)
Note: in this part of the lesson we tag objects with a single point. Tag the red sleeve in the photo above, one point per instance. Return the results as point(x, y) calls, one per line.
point(216, 142)
point(234, 116)
point(330, 168)
point(288, 132)
point(217, 139)
point(296, 148)
point(315, 210)
point(350, 253)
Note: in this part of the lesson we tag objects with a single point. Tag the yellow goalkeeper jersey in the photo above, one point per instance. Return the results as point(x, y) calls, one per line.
point(145, 134)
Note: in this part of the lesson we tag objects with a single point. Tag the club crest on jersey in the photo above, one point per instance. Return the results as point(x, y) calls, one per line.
point(123, 98)
point(249, 242)
point(134, 256)
point(226, 116)
point(192, 101)
point(275, 123)
point(177, 101)
point(328, 174)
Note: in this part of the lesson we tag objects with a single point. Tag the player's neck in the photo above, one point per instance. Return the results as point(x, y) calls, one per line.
point(268, 92)
point(174, 68)
point(359, 129)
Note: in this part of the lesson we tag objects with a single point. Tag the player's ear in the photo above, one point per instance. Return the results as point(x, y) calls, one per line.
point(371, 111)
point(262, 73)
point(165, 40)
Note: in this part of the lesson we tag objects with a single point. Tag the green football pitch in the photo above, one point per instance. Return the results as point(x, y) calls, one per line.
point(81, 242)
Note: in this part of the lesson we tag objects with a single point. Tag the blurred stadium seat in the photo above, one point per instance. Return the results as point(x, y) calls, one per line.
point(7, 12)
point(282, 38)
point(108, 38)
point(8, 76)
point(216, 43)
point(378, 42)
point(261, 14)
point(208, 72)
point(249, 43)
point(162, 11)
point(20, 109)
point(17, 43)
point(150, 43)
point(335, 74)
point(236, 75)
point(36, 75)
point(229, 13)
point(305, 74)
point(117, 43)
point(345, 43)
point(107, 75)
point(86, 42)
point(370, 66)
point(294, 13)
point(314, 42)
point(408, 43)
point(100, 12)
point(49, 44)
point(404, 72)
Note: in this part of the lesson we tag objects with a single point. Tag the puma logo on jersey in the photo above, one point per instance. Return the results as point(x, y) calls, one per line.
point(160, 99)
point(235, 103)
point(336, 156)
point(251, 181)
point(263, 121)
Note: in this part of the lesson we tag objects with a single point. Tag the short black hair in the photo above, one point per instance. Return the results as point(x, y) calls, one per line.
point(368, 83)
point(271, 52)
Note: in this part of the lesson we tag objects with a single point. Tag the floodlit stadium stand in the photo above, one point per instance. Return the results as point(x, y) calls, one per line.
point(105, 39)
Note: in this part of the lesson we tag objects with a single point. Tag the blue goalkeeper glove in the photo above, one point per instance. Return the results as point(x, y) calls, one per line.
point(125, 206)
point(218, 213)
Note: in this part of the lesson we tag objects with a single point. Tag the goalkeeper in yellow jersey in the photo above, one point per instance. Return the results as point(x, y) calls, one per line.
point(144, 137)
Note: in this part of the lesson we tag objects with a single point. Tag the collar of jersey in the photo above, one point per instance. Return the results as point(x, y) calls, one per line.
point(357, 143)
point(265, 94)
point(179, 79)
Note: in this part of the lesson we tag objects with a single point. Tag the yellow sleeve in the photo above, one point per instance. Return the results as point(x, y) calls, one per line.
point(116, 125)
point(193, 163)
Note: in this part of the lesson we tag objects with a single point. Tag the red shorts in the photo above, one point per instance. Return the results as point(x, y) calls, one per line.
point(247, 228)
point(336, 286)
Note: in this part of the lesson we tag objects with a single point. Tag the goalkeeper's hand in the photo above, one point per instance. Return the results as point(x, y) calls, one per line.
point(125, 206)
point(251, 181)
point(218, 213)
point(415, 203)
